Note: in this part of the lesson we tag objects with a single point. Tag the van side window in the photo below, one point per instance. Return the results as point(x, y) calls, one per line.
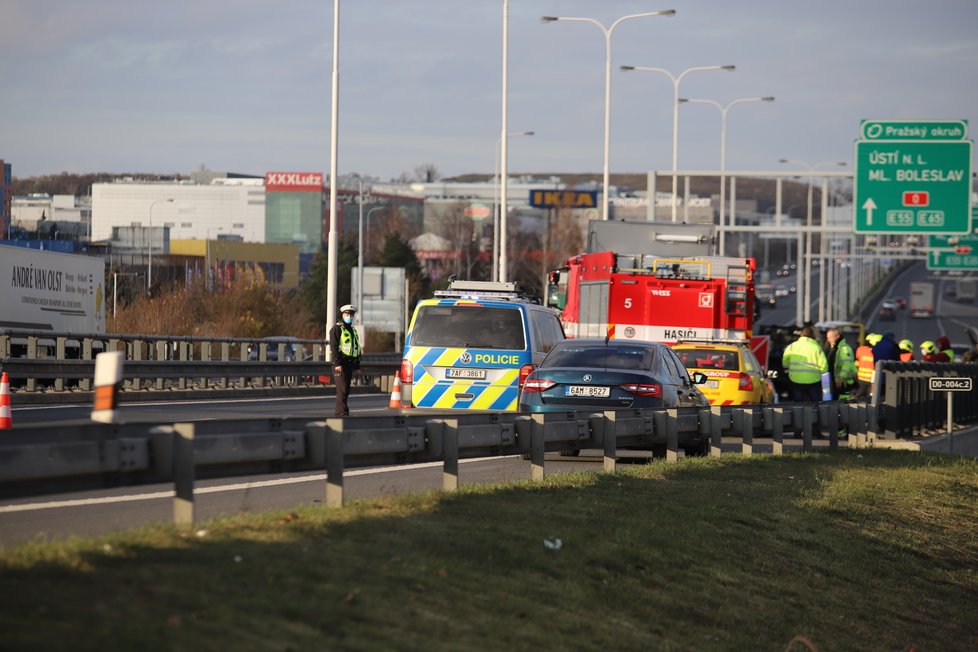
point(546, 329)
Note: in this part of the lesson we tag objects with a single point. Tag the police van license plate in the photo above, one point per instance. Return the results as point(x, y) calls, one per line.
point(587, 390)
point(470, 374)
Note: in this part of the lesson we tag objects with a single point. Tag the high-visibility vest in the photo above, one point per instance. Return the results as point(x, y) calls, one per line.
point(804, 361)
point(349, 343)
point(865, 363)
point(949, 353)
point(906, 356)
point(845, 364)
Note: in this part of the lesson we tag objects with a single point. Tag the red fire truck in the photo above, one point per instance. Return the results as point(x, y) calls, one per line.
point(652, 297)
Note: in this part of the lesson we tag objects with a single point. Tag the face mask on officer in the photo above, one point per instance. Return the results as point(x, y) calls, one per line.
point(347, 318)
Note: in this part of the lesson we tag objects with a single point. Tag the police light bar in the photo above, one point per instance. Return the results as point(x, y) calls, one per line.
point(483, 286)
point(679, 237)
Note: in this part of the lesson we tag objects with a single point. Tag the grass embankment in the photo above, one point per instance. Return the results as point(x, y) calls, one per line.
point(871, 550)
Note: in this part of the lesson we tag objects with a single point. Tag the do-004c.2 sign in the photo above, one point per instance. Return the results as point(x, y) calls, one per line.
point(949, 384)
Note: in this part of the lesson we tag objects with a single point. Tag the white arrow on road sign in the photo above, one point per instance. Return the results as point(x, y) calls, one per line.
point(870, 206)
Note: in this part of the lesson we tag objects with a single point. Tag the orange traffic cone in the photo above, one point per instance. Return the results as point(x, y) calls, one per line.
point(6, 421)
point(396, 394)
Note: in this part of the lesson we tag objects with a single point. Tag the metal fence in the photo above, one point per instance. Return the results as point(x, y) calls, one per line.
point(43, 361)
point(35, 460)
point(908, 408)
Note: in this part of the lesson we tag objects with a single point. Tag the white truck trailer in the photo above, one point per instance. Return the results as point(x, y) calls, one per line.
point(966, 289)
point(921, 299)
point(50, 291)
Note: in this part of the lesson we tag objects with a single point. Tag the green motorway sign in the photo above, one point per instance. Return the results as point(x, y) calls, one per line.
point(953, 252)
point(915, 130)
point(912, 177)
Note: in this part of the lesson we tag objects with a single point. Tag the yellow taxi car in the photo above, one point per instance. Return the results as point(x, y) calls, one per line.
point(734, 376)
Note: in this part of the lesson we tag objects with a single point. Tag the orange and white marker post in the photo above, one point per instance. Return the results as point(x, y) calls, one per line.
point(6, 420)
point(108, 377)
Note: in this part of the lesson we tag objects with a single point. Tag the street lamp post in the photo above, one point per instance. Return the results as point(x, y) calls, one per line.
point(607, 31)
point(359, 312)
point(499, 271)
point(149, 270)
point(723, 150)
point(676, 79)
point(804, 314)
point(332, 239)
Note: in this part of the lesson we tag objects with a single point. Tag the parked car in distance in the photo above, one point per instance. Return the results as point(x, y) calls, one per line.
point(293, 350)
point(734, 375)
point(899, 302)
point(764, 293)
point(888, 311)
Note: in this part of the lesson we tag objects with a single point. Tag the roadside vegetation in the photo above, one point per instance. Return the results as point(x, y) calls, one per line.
point(845, 550)
point(250, 307)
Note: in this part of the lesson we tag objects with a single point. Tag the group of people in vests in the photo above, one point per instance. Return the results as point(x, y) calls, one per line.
point(816, 374)
point(885, 347)
point(842, 374)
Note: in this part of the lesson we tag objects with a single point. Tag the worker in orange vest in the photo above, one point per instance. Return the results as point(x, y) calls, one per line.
point(906, 351)
point(865, 367)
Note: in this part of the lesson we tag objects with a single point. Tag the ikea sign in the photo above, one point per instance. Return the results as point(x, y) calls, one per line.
point(564, 198)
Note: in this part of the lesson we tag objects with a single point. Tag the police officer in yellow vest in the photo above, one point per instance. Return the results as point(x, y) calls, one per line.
point(805, 362)
point(344, 352)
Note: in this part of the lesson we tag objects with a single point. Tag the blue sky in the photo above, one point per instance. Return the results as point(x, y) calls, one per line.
point(134, 86)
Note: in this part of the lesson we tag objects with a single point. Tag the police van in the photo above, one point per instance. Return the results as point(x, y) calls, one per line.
point(472, 345)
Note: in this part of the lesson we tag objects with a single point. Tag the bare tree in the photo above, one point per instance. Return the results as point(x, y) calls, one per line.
point(426, 173)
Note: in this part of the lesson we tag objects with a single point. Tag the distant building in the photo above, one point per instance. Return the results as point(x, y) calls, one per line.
point(228, 260)
point(230, 206)
point(51, 216)
point(294, 209)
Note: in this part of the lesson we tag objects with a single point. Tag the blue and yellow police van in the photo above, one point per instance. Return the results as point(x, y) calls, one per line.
point(472, 345)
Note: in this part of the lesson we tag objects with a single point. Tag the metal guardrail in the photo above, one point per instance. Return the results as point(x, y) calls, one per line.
point(45, 361)
point(62, 375)
point(36, 460)
point(906, 405)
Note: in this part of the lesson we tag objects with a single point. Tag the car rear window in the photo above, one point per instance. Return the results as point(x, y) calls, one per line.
point(610, 357)
point(708, 359)
point(469, 327)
